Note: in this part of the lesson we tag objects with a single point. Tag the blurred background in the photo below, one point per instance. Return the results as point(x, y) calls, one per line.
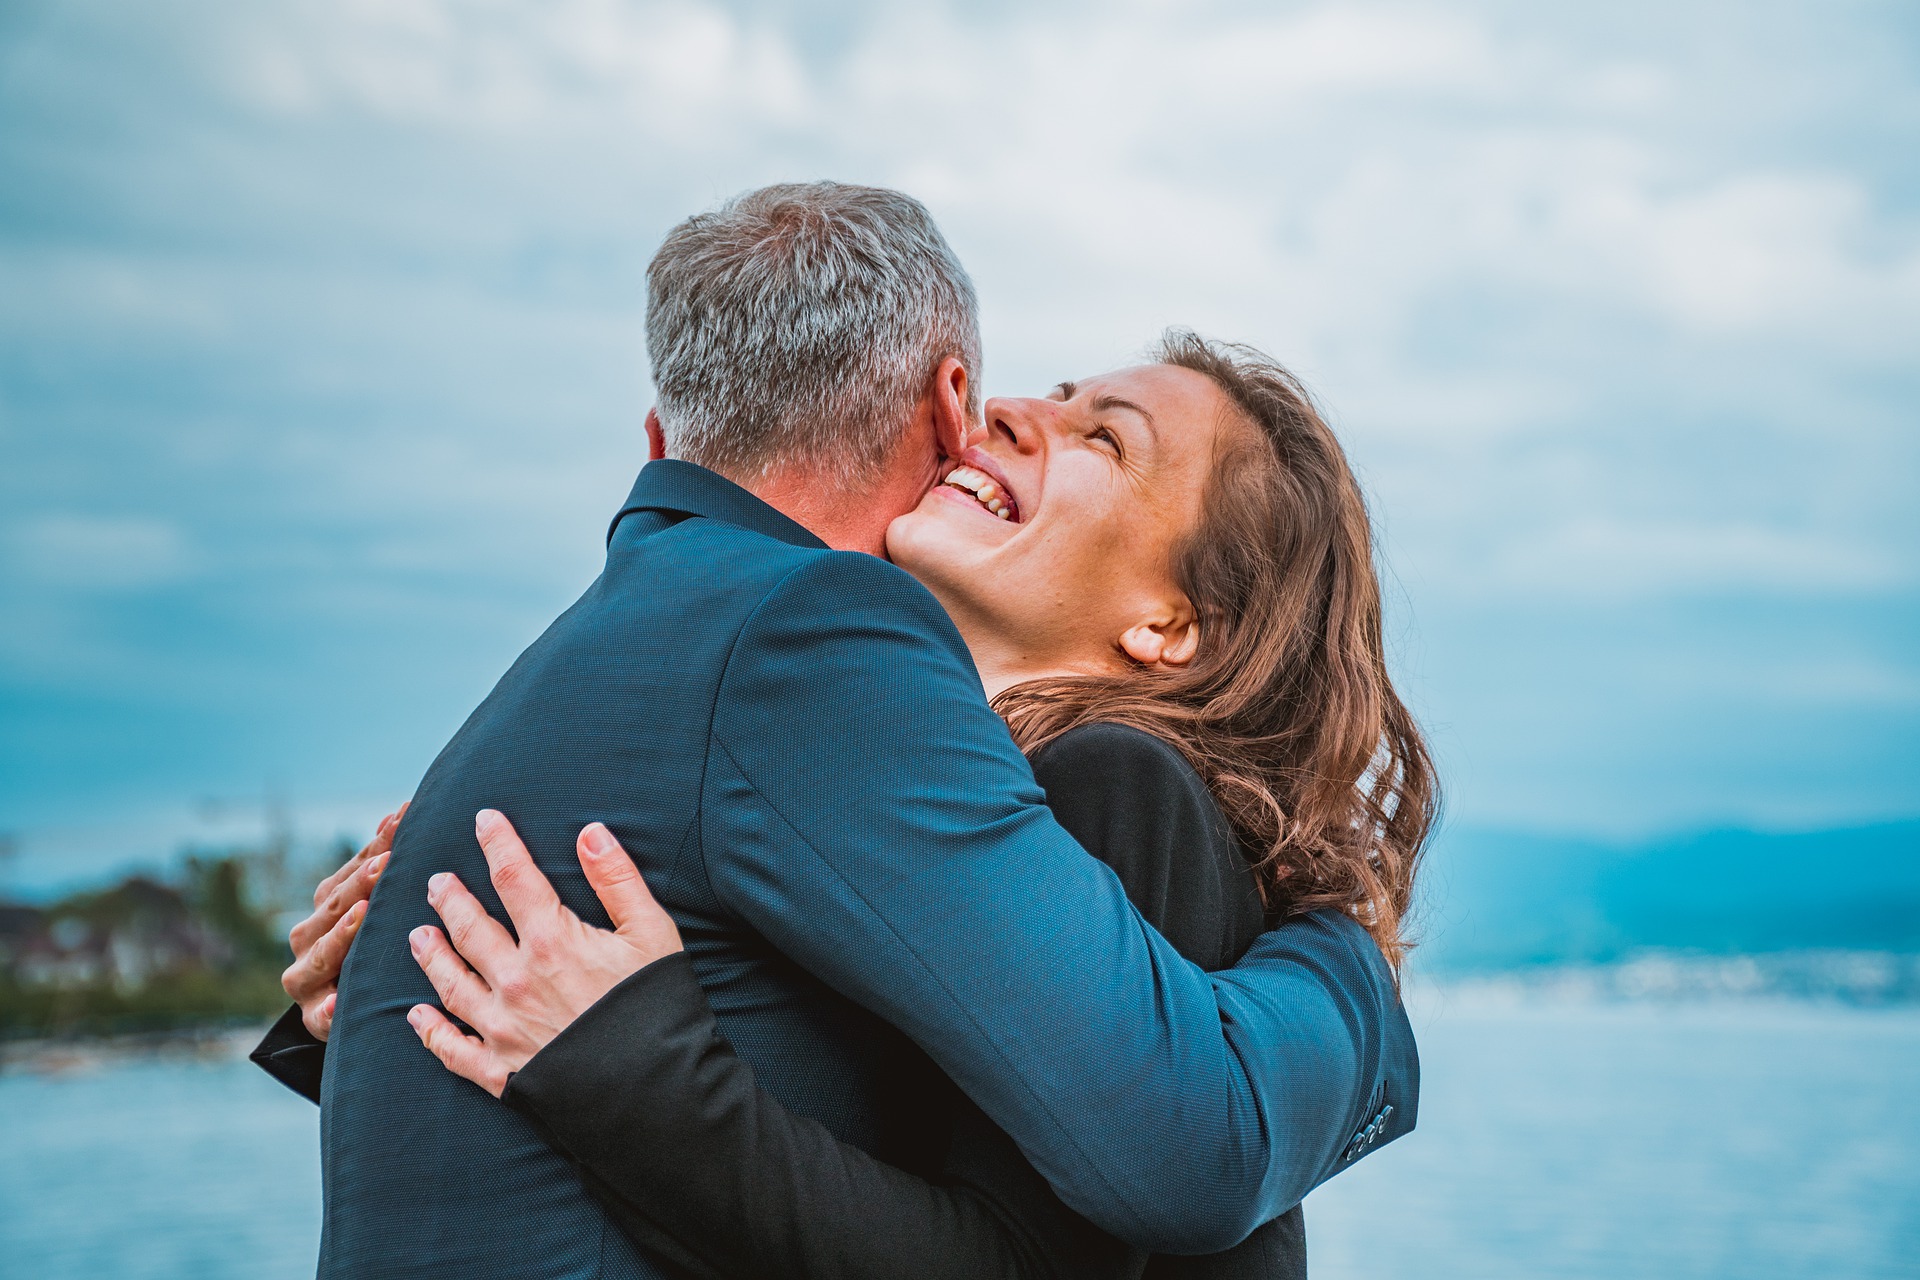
point(322, 369)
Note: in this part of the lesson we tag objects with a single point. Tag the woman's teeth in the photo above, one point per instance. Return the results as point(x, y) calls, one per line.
point(982, 487)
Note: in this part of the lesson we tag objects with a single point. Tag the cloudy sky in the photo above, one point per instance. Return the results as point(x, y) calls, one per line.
point(321, 358)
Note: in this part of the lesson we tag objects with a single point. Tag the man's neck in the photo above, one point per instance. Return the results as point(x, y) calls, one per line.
point(848, 519)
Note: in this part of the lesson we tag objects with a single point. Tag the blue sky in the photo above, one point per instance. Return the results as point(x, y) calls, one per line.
point(321, 356)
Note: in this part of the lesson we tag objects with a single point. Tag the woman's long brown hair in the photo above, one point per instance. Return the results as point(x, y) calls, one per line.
point(1287, 710)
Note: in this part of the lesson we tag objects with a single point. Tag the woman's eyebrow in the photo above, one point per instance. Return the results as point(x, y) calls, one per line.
point(1106, 404)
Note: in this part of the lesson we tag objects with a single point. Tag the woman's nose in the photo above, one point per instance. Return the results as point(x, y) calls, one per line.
point(1016, 422)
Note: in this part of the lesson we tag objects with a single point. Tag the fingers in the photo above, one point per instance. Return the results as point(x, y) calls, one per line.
point(357, 887)
point(459, 988)
point(477, 936)
point(524, 891)
point(317, 969)
point(623, 890)
point(381, 843)
point(465, 1056)
point(319, 1023)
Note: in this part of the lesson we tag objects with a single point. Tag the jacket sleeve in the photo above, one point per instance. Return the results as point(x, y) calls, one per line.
point(866, 811)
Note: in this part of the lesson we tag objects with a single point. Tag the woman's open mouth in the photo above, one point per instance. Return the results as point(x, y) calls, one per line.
point(991, 494)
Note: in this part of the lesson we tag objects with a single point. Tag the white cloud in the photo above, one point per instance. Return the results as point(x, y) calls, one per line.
point(679, 70)
point(104, 553)
point(1601, 556)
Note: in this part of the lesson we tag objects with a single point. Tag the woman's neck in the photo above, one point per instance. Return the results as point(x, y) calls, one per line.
point(997, 678)
point(1004, 662)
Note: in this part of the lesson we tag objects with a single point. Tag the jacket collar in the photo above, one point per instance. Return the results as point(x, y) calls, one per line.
point(668, 484)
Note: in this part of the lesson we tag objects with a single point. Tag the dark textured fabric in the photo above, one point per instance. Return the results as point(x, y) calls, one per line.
point(793, 745)
point(695, 1160)
point(1135, 803)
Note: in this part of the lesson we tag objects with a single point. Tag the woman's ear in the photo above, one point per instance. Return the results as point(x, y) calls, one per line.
point(1169, 640)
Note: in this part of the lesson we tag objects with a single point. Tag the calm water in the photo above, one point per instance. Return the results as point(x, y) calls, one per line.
point(1731, 1142)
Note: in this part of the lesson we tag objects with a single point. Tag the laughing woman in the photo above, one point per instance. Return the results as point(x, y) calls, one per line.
point(1165, 577)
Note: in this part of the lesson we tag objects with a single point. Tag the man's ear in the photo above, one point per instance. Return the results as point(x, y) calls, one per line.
point(951, 426)
point(1169, 639)
point(656, 437)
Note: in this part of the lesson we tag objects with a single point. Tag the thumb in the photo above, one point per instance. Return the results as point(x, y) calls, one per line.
point(621, 888)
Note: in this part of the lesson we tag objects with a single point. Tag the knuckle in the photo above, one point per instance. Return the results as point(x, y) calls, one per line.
point(515, 988)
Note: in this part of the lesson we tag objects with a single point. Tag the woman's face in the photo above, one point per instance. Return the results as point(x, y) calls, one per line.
point(1051, 540)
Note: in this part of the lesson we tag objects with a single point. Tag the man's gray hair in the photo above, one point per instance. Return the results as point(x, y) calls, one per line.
point(799, 324)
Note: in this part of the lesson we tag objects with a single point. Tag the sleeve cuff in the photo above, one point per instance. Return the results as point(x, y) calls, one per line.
point(290, 1054)
point(628, 1025)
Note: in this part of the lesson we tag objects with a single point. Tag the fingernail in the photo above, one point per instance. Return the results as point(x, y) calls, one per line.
point(356, 915)
point(485, 819)
point(375, 867)
point(414, 1015)
point(418, 939)
point(437, 884)
point(599, 839)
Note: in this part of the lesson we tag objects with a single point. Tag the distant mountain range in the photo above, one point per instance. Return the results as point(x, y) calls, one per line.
point(1496, 899)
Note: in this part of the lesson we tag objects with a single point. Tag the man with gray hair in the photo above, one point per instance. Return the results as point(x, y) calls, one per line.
point(794, 746)
point(880, 299)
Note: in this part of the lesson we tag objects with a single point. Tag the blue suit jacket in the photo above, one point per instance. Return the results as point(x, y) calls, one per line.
point(793, 744)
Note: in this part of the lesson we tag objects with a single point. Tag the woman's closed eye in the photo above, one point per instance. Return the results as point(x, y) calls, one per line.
point(1106, 436)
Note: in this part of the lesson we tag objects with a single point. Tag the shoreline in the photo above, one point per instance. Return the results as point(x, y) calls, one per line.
point(75, 1055)
point(1881, 982)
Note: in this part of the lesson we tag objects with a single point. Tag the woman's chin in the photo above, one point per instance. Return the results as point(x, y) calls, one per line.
point(934, 538)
